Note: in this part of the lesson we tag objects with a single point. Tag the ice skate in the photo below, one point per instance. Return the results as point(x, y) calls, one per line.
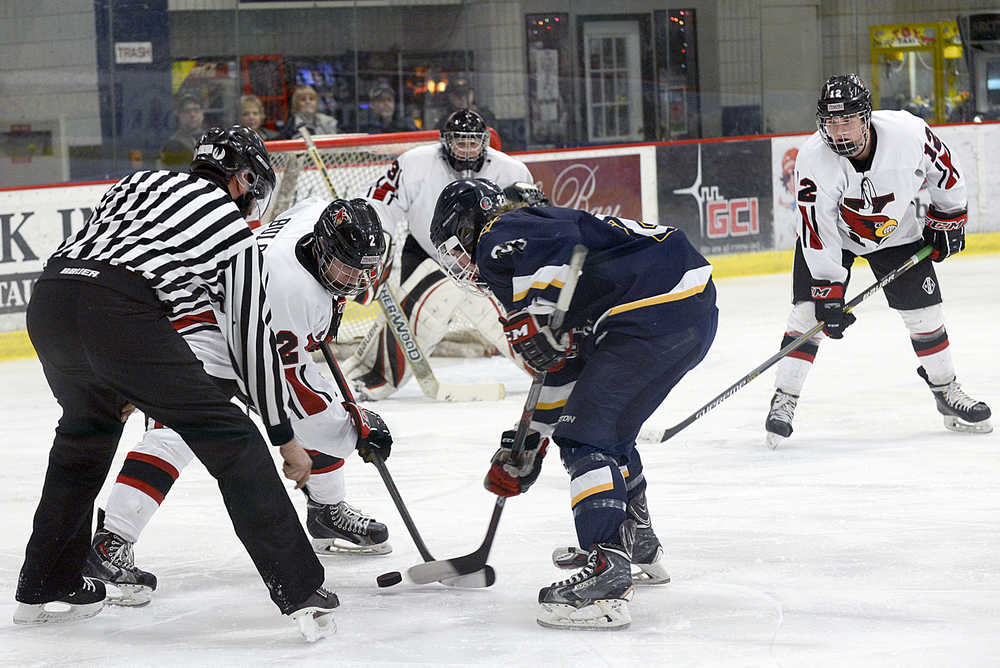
point(112, 561)
point(314, 616)
point(960, 411)
point(596, 598)
point(779, 418)
point(341, 528)
point(82, 603)
point(647, 553)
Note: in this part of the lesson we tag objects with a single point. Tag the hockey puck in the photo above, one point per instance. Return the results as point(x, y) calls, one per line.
point(389, 579)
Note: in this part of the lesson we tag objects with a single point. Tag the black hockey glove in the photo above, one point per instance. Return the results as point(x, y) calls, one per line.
point(532, 339)
point(373, 435)
point(506, 479)
point(829, 300)
point(945, 231)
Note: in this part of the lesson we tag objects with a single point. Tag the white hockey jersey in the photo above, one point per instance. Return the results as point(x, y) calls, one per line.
point(301, 316)
point(861, 212)
point(409, 189)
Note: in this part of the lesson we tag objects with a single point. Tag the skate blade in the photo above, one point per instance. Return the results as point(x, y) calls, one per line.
point(601, 615)
point(774, 440)
point(315, 623)
point(329, 546)
point(650, 574)
point(953, 423)
point(128, 595)
point(56, 612)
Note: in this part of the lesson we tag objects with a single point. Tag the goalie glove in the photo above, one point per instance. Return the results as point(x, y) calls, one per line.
point(945, 232)
point(504, 477)
point(535, 342)
point(373, 435)
point(829, 299)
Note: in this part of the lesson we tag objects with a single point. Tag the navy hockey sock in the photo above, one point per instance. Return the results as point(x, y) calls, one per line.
point(598, 493)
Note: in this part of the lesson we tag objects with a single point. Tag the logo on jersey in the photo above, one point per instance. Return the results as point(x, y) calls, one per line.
point(508, 248)
point(929, 285)
point(863, 216)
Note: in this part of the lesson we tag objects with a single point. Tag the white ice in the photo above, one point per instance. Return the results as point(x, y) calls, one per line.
point(870, 538)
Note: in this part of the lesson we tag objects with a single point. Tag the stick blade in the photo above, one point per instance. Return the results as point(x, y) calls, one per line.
point(484, 577)
point(443, 569)
point(463, 392)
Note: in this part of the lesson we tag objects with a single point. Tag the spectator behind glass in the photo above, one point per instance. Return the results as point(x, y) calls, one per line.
point(381, 116)
point(461, 95)
point(252, 116)
point(178, 152)
point(305, 101)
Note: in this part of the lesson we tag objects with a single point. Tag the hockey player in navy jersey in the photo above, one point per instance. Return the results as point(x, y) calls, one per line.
point(857, 180)
point(643, 315)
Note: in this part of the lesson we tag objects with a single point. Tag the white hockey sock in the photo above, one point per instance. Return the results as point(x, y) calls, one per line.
point(929, 339)
point(328, 488)
point(128, 511)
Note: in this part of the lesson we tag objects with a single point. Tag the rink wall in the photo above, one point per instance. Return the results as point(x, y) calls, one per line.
point(733, 197)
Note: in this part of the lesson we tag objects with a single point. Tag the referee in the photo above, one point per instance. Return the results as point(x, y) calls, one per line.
point(98, 319)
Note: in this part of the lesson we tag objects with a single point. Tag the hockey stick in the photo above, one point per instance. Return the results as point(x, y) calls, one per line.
point(470, 563)
point(656, 436)
point(394, 315)
point(483, 577)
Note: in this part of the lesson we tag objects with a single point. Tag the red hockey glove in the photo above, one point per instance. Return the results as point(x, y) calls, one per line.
point(506, 479)
point(945, 231)
point(373, 435)
point(535, 343)
point(829, 300)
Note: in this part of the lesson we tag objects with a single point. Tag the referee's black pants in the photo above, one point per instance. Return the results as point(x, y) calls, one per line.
point(99, 348)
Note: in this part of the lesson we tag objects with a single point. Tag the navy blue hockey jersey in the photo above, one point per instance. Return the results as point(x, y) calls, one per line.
point(639, 278)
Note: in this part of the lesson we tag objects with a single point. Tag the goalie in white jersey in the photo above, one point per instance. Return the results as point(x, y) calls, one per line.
point(407, 194)
point(315, 255)
point(857, 179)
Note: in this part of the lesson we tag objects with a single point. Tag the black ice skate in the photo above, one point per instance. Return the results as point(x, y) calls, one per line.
point(779, 418)
point(647, 553)
point(314, 616)
point(339, 527)
point(83, 602)
point(112, 561)
point(961, 412)
point(597, 597)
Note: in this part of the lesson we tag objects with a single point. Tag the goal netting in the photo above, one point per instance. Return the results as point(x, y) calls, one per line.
point(354, 163)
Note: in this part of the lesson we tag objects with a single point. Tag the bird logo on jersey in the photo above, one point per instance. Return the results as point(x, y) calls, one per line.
point(874, 226)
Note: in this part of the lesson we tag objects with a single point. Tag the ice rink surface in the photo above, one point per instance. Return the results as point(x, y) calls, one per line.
point(871, 538)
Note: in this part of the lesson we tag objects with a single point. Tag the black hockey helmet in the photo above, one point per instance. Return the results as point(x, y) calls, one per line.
point(462, 211)
point(464, 139)
point(349, 245)
point(842, 99)
point(237, 151)
point(527, 194)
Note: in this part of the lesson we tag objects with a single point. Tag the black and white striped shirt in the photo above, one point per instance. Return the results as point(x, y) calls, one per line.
point(187, 238)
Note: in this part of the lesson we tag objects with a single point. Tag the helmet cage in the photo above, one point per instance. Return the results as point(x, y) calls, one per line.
point(842, 143)
point(459, 265)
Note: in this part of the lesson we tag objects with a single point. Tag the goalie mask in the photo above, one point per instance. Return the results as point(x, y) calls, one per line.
point(844, 113)
point(237, 152)
point(463, 209)
point(349, 247)
point(464, 140)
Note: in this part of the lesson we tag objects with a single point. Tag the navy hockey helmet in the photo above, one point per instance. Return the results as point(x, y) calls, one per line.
point(349, 246)
point(844, 113)
point(462, 211)
point(527, 194)
point(464, 139)
point(237, 151)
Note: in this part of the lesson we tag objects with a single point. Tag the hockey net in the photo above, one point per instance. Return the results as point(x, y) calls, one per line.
point(354, 163)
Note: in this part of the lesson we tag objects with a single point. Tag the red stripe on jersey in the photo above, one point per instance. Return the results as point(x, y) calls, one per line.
point(327, 469)
point(194, 319)
point(311, 402)
point(161, 464)
point(814, 241)
point(930, 351)
point(801, 355)
point(146, 489)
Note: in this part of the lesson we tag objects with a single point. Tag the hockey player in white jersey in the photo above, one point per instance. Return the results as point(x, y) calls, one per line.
point(857, 180)
point(314, 251)
point(407, 194)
